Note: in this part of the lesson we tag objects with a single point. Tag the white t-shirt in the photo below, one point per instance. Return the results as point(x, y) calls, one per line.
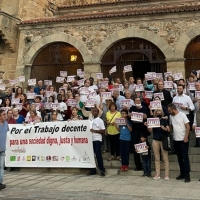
point(28, 114)
point(178, 121)
point(83, 96)
point(63, 107)
point(93, 87)
point(97, 124)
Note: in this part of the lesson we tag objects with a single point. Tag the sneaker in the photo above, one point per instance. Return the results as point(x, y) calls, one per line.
point(91, 173)
point(156, 177)
point(149, 176)
point(144, 175)
point(137, 169)
point(122, 168)
point(102, 174)
point(2, 186)
point(187, 179)
point(126, 168)
point(166, 178)
point(180, 177)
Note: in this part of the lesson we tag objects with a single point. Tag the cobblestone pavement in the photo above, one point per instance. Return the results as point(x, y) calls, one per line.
point(27, 186)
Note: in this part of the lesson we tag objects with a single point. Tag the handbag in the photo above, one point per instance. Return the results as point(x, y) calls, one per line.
point(167, 141)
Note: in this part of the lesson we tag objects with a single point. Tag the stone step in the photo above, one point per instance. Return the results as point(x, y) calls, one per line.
point(192, 136)
point(172, 165)
point(172, 158)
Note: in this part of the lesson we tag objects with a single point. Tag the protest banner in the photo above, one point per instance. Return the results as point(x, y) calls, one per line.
point(159, 75)
point(178, 76)
point(166, 74)
point(70, 79)
point(154, 105)
point(126, 103)
point(30, 95)
point(138, 117)
point(168, 84)
point(178, 105)
point(92, 95)
point(159, 94)
point(84, 90)
point(72, 102)
point(120, 121)
point(197, 132)
point(60, 79)
point(149, 94)
point(153, 122)
point(90, 103)
point(141, 147)
point(106, 95)
point(55, 106)
point(57, 144)
point(103, 84)
point(128, 68)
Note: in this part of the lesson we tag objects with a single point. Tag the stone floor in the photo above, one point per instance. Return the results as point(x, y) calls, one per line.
point(41, 186)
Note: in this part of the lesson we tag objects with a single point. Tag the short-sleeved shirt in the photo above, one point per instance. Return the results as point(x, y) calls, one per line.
point(4, 128)
point(158, 132)
point(125, 133)
point(97, 124)
point(63, 107)
point(20, 119)
point(111, 129)
point(178, 121)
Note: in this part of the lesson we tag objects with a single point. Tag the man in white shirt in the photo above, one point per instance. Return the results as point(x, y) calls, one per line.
point(187, 104)
point(63, 108)
point(92, 86)
point(98, 129)
point(180, 128)
point(84, 91)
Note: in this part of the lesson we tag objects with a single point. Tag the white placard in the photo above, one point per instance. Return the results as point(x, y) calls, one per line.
point(99, 75)
point(60, 79)
point(55, 106)
point(21, 79)
point(139, 88)
point(13, 82)
point(70, 79)
point(1, 81)
point(84, 90)
point(30, 95)
point(126, 103)
point(47, 105)
point(15, 101)
point(197, 94)
point(47, 82)
point(121, 87)
point(178, 76)
point(153, 122)
point(18, 106)
point(106, 95)
point(168, 84)
point(128, 68)
point(120, 121)
point(155, 105)
point(159, 94)
point(2, 87)
point(191, 86)
point(81, 82)
point(48, 94)
point(178, 105)
point(166, 74)
point(114, 69)
point(37, 106)
point(63, 73)
point(141, 147)
point(32, 82)
point(0, 101)
point(90, 103)
point(197, 132)
point(137, 117)
point(149, 94)
point(72, 102)
point(159, 75)
point(150, 76)
point(103, 84)
point(78, 70)
point(92, 95)
point(81, 74)
point(5, 108)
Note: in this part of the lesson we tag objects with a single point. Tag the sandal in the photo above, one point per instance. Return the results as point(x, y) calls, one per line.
point(111, 158)
point(118, 158)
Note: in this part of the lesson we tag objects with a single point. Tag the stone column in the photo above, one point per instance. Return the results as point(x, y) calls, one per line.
point(176, 66)
point(91, 69)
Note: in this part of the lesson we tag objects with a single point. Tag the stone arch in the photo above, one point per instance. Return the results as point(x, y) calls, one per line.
point(132, 32)
point(61, 37)
point(184, 40)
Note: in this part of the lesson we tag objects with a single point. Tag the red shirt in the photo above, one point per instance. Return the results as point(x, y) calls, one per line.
point(11, 121)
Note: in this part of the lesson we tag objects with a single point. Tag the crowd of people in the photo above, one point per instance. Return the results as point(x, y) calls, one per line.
point(111, 99)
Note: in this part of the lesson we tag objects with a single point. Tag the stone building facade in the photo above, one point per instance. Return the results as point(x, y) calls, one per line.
point(165, 36)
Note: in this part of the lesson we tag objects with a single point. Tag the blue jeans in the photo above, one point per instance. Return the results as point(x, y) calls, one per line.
point(97, 151)
point(147, 166)
point(2, 161)
point(124, 149)
point(181, 149)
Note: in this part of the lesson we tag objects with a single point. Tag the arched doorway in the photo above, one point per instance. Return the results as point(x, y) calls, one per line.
point(54, 58)
point(192, 56)
point(141, 54)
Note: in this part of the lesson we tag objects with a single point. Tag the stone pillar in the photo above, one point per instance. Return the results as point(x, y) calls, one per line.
point(176, 66)
point(91, 69)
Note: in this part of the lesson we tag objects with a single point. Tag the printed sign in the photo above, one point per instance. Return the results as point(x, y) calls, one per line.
point(63, 73)
point(78, 70)
point(197, 94)
point(90, 103)
point(150, 76)
point(51, 144)
point(197, 132)
point(178, 105)
point(18, 106)
point(168, 84)
point(15, 100)
point(60, 79)
point(70, 79)
point(126, 103)
point(2, 87)
point(21, 79)
point(92, 95)
point(149, 94)
point(32, 82)
point(137, 117)
point(114, 69)
point(191, 86)
point(153, 122)
point(141, 147)
point(37, 105)
point(99, 75)
point(106, 95)
point(139, 88)
point(48, 93)
point(154, 105)
point(159, 76)
point(30, 95)
point(120, 121)
point(103, 84)
point(47, 105)
point(55, 106)
point(166, 74)
point(159, 94)
point(81, 74)
point(72, 102)
point(178, 76)
point(81, 82)
point(84, 90)
point(47, 82)
point(128, 68)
